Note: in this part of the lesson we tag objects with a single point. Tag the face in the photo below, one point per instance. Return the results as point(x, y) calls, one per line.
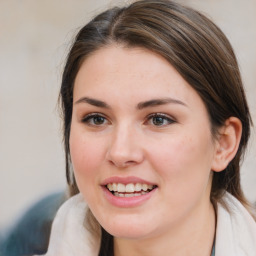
point(140, 143)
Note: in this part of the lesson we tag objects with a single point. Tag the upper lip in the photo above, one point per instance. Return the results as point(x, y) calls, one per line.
point(125, 180)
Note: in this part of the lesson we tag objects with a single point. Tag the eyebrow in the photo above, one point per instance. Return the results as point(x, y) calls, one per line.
point(141, 105)
point(94, 102)
point(159, 102)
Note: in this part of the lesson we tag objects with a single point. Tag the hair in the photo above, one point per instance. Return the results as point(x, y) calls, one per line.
point(193, 45)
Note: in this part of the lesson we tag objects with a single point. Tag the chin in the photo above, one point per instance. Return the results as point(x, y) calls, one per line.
point(127, 228)
point(127, 233)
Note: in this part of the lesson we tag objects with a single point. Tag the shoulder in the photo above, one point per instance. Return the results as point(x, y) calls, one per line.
point(69, 236)
point(236, 229)
point(31, 232)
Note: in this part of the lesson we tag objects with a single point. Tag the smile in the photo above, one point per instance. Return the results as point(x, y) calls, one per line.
point(129, 190)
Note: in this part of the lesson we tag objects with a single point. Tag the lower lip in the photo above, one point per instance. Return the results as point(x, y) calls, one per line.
point(127, 202)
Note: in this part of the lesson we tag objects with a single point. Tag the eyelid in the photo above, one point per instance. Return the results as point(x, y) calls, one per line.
point(92, 115)
point(167, 117)
point(87, 117)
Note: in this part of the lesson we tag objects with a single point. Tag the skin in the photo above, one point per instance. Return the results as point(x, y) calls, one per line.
point(177, 153)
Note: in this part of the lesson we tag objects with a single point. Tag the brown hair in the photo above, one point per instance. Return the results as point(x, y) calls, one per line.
point(193, 45)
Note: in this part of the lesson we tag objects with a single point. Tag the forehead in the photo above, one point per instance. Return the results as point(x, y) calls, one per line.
point(137, 73)
point(122, 60)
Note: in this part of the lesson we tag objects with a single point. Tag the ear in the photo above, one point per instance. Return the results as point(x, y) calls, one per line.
point(227, 143)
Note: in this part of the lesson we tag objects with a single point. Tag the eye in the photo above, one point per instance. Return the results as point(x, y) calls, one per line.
point(95, 119)
point(159, 119)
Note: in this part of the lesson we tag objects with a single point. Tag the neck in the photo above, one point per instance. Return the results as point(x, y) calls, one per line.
point(194, 236)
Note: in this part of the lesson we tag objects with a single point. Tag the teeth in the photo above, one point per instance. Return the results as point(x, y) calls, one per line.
point(120, 187)
point(150, 187)
point(130, 194)
point(129, 188)
point(114, 187)
point(144, 187)
point(110, 187)
point(138, 187)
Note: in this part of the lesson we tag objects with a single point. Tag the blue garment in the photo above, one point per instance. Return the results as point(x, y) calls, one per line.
point(213, 250)
point(30, 235)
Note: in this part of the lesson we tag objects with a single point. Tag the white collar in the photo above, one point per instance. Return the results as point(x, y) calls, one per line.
point(236, 229)
point(68, 235)
point(235, 234)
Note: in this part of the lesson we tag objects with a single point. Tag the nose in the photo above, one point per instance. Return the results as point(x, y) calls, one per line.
point(125, 148)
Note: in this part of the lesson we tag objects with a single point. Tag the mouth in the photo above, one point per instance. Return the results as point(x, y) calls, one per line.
point(129, 190)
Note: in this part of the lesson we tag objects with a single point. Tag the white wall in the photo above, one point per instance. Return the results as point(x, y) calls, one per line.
point(34, 38)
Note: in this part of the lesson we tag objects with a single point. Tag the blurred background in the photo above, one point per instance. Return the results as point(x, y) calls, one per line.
point(34, 39)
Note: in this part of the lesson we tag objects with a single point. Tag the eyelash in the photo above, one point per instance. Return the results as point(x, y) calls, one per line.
point(88, 119)
point(160, 115)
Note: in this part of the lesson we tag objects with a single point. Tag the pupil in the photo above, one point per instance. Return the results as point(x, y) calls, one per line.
point(158, 120)
point(98, 120)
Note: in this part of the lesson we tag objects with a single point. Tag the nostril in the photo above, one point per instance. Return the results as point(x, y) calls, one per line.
point(123, 164)
point(129, 163)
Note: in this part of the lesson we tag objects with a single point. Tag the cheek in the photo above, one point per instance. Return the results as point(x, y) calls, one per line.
point(180, 151)
point(86, 156)
point(184, 163)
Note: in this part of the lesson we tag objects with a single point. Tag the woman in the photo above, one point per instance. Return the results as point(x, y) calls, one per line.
point(155, 125)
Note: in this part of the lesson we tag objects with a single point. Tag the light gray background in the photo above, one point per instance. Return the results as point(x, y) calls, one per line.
point(34, 39)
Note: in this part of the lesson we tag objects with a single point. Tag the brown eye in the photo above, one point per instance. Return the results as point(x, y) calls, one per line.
point(98, 120)
point(94, 120)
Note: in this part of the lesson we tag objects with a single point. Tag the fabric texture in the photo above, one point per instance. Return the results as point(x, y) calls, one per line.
point(236, 230)
point(30, 234)
point(235, 234)
point(68, 236)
